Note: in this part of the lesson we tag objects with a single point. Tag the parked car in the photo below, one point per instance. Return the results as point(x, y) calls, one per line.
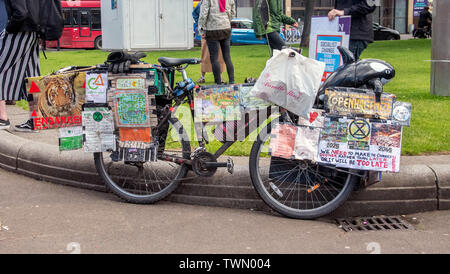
point(385, 33)
point(241, 33)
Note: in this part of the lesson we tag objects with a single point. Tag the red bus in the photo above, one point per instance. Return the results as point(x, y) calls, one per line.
point(82, 25)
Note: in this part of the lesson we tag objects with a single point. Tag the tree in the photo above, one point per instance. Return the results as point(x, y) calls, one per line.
point(309, 10)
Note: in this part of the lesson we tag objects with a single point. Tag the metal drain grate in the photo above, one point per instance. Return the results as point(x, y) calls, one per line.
point(373, 223)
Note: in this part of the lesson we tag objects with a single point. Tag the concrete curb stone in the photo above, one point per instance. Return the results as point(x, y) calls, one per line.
point(442, 172)
point(414, 189)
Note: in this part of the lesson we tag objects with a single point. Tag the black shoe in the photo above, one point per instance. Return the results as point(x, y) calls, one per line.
point(28, 126)
point(4, 124)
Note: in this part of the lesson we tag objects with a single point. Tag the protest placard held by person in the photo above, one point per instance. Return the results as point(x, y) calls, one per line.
point(215, 27)
point(361, 31)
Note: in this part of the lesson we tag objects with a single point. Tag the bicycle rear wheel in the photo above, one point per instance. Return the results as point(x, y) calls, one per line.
point(147, 182)
point(297, 188)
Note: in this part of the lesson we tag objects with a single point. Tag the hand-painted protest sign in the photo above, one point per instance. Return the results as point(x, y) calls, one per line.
point(70, 138)
point(350, 102)
point(325, 36)
point(56, 100)
point(96, 87)
point(369, 146)
point(217, 104)
point(131, 108)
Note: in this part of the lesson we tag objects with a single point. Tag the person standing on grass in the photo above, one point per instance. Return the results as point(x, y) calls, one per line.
point(215, 27)
point(425, 18)
point(268, 17)
point(206, 61)
point(19, 56)
point(361, 31)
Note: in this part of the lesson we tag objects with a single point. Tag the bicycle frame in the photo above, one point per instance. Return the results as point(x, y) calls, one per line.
point(199, 127)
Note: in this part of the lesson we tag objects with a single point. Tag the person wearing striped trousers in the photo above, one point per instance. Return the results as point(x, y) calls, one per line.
point(19, 58)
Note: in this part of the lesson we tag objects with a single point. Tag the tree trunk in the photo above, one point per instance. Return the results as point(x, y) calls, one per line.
point(309, 10)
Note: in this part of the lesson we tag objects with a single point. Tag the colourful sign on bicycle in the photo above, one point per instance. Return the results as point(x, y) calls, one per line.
point(367, 145)
point(217, 104)
point(362, 103)
point(131, 108)
point(56, 100)
point(96, 87)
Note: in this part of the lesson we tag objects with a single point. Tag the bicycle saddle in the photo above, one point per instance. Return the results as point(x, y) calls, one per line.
point(174, 62)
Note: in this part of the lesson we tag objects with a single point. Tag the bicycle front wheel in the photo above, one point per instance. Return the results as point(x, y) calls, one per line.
point(297, 188)
point(147, 182)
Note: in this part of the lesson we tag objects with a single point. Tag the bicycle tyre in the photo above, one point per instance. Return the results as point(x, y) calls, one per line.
point(127, 195)
point(273, 203)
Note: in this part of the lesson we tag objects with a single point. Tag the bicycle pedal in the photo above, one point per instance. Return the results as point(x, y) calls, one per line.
point(230, 165)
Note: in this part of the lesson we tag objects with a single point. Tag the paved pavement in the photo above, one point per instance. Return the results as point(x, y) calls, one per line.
point(41, 217)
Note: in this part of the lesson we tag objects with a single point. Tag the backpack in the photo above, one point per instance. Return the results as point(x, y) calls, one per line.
point(51, 21)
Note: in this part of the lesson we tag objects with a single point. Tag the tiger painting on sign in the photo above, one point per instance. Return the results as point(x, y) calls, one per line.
point(59, 97)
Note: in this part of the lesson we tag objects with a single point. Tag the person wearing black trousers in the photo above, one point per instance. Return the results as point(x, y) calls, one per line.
point(361, 32)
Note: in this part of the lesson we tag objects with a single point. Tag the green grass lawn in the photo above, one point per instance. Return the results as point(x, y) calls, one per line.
point(430, 124)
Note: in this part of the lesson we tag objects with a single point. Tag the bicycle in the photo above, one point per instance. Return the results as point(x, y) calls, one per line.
point(294, 188)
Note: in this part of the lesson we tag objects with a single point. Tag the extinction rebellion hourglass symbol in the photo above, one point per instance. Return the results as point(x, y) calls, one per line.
point(359, 129)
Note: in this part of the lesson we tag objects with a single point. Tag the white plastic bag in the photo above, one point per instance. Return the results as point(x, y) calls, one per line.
point(290, 82)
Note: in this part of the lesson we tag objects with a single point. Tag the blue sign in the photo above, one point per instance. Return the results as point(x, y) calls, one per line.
point(327, 51)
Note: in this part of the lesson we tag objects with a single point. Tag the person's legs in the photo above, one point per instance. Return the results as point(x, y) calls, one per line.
point(3, 114)
point(357, 47)
point(275, 41)
point(4, 122)
point(225, 46)
point(32, 69)
point(213, 47)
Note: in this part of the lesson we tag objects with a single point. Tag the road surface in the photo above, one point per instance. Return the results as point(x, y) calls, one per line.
point(42, 217)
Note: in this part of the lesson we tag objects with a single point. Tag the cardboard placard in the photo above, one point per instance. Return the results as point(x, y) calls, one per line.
point(57, 100)
point(349, 102)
